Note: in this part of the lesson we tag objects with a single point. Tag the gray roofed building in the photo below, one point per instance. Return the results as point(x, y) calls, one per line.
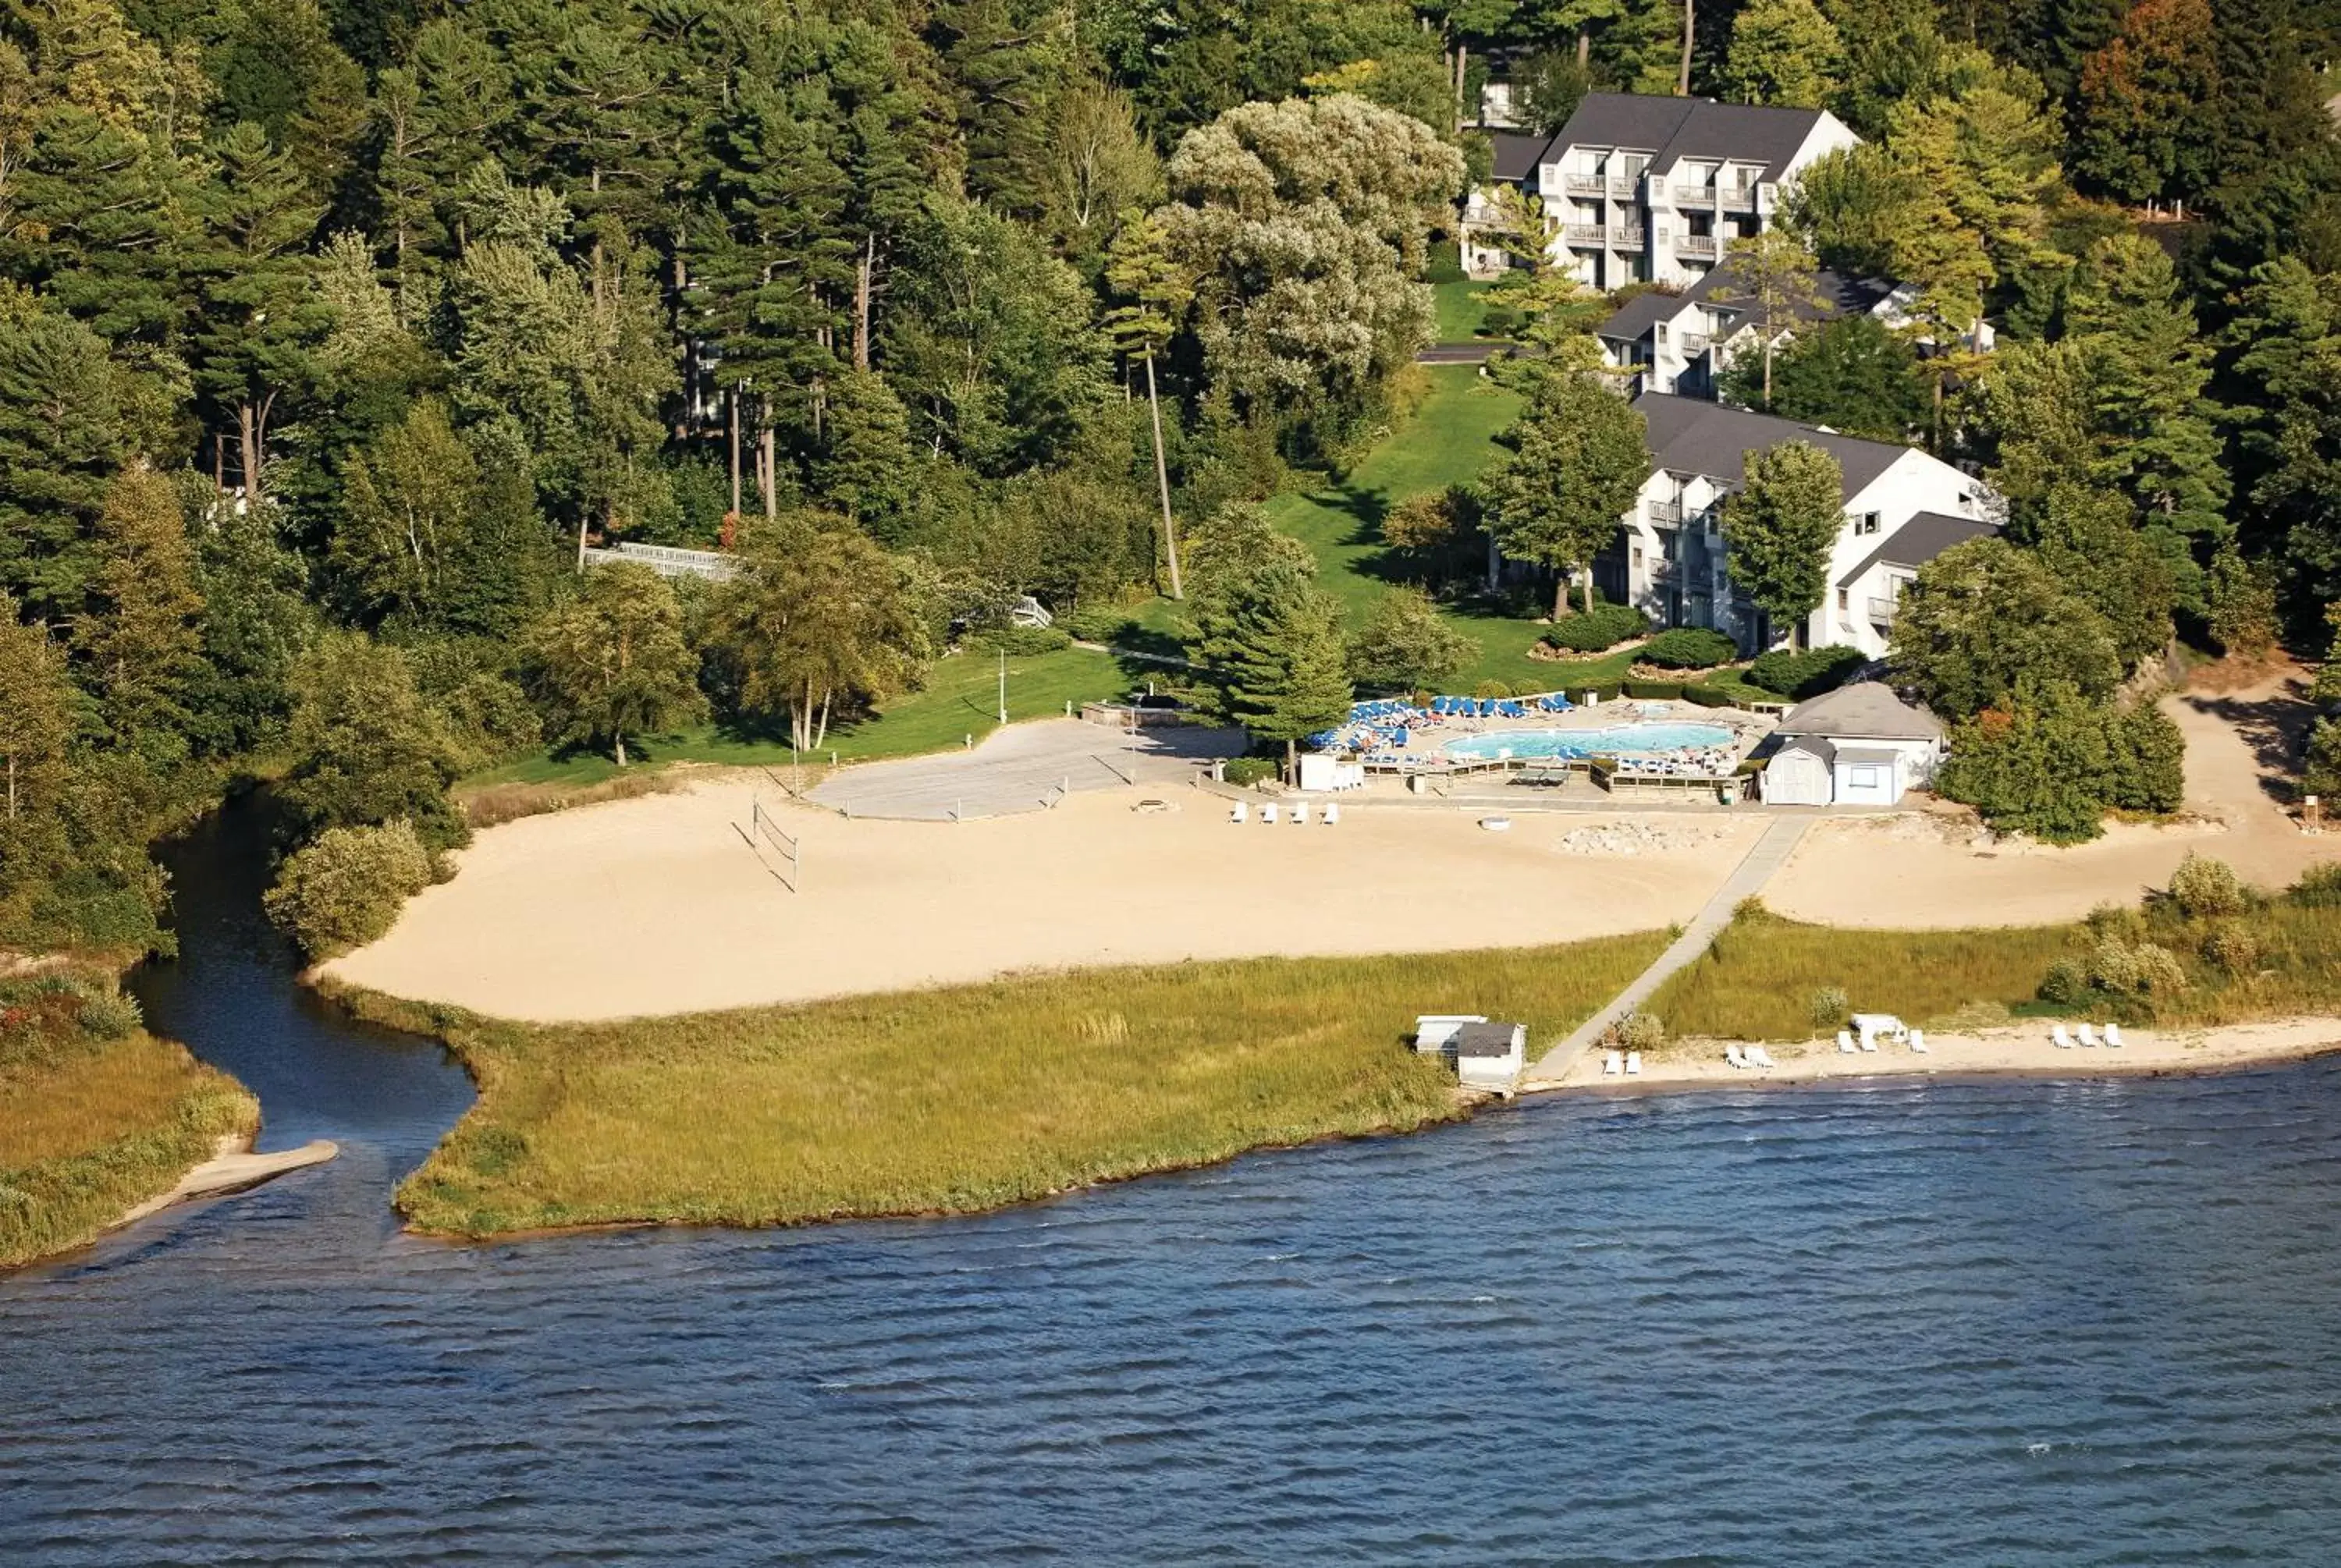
point(1813, 744)
point(1690, 436)
point(1917, 541)
point(1672, 128)
point(1865, 711)
point(1516, 156)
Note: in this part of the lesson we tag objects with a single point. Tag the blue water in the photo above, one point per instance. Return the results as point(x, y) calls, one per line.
point(1614, 740)
point(2010, 1323)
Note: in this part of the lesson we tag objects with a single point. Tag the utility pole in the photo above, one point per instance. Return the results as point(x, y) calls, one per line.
point(1003, 685)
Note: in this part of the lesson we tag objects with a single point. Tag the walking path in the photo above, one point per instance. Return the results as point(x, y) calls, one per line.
point(1778, 841)
point(1023, 767)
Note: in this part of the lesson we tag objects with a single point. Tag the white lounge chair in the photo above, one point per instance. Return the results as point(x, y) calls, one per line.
point(1732, 1054)
point(2059, 1038)
point(1242, 812)
point(1758, 1056)
point(1332, 812)
point(1268, 813)
point(1869, 1041)
point(1301, 812)
point(1612, 1064)
point(1844, 1041)
point(2087, 1034)
point(1919, 1041)
point(2113, 1036)
point(1633, 1064)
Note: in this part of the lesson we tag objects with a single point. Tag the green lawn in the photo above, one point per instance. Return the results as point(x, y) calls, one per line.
point(1462, 309)
point(960, 698)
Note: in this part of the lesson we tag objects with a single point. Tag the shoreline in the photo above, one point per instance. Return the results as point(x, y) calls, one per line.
point(232, 1168)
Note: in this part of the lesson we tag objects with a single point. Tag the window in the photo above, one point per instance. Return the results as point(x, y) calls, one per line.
point(1868, 778)
point(1868, 522)
point(1844, 599)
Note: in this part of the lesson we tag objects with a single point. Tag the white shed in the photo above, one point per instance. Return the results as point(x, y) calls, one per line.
point(1436, 1031)
point(1801, 773)
point(1869, 775)
point(1490, 1056)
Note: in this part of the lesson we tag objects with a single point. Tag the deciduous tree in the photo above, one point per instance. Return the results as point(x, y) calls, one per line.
point(1575, 467)
point(611, 661)
point(1778, 529)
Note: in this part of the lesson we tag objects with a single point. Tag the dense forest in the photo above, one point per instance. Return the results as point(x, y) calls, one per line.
point(333, 331)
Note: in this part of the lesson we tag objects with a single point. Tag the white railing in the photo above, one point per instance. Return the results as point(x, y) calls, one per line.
point(1585, 185)
point(1666, 510)
point(1695, 245)
point(670, 561)
point(1881, 612)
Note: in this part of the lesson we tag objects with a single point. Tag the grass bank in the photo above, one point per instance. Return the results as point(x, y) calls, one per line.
point(91, 1129)
point(962, 1099)
point(1759, 980)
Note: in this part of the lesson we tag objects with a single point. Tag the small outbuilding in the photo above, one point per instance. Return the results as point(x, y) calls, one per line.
point(1490, 1056)
point(1434, 1032)
point(1859, 745)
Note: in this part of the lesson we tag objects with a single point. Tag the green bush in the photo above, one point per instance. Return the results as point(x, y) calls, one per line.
point(1248, 770)
point(2320, 773)
point(1808, 674)
point(2230, 946)
point(1095, 625)
point(1707, 696)
point(1640, 1031)
point(1831, 1006)
point(2066, 984)
point(1653, 690)
point(1689, 648)
point(1597, 629)
point(345, 889)
point(2319, 887)
point(1020, 642)
point(2147, 762)
point(2205, 888)
point(1491, 689)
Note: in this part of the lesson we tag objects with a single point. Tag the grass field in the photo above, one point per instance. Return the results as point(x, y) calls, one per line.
point(963, 1098)
point(1757, 981)
point(89, 1131)
point(960, 698)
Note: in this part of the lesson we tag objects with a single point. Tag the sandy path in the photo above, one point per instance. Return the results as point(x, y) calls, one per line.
point(232, 1167)
point(1909, 872)
point(2022, 1050)
point(656, 906)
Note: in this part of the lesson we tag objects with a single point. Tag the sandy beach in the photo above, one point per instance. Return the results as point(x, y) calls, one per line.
point(657, 905)
point(2026, 1050)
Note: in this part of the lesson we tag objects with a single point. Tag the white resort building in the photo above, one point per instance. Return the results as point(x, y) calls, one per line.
point(1902, 509)
point(1644, 189)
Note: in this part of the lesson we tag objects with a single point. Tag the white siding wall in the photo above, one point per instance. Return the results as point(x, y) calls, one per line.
point(1915, 483)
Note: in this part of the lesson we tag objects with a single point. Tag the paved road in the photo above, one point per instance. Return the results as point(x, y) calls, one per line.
point(1473, 353)
point(1744, 882)
point(1023, 767)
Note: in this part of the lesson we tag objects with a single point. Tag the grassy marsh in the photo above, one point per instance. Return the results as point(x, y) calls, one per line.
point(962, 1099)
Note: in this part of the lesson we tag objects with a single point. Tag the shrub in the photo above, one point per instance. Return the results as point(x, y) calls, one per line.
point(2159, 972)
point(2067, 983)
point(1020, 642)
point(344, 890)
point(1787, 673)
point(1248, 770)
point(1689, 648)
point(2116, 922)
point(2148, 771)
point(2320, 773)
point(2114, 967)
point(1491, 689)
point(2205, 888)
point(2319, 887)
point(1095, 625)
point(1708, 696)
point(107, 1014)
point(1640, 1031)
point(1653, 690)
point(1597, 629)
point(2231, 945)
point(1830, 1007)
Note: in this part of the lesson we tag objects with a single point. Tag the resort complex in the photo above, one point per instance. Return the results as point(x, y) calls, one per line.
point(802, 781)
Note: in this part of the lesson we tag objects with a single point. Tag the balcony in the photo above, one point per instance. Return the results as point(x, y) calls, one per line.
point(1598, 234)
point(1881, 612)
point(1585, 185)
point(1626, 185)
point(1690, 346)
point(1696, 246)
point(1731, 198)
point(1666, 511)
point(1740, 198)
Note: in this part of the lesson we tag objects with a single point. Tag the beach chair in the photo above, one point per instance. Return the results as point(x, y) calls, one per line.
point(1241, 812)
point(1612, 1064)
point(1300, 812)
point(2059, 1038)
point(1633, 1064)
point(1732, 1054)
point(1844, 1042)
point(2113, 1036)
point(1869, 1041)
point(1758, 1056)
point(1919, 1041)
point(1268, 814)
point(1332, 813)
point(2087, 1034)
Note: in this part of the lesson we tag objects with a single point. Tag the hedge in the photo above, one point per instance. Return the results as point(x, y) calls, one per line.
point(1598, 629)
point(1807, 674)
point(1689, 648)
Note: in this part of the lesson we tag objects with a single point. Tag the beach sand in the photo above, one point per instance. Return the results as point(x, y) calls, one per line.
point(2026, 1049)
point(657, 905)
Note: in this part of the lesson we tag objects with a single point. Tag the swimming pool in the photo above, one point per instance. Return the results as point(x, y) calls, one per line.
point(1610, 741)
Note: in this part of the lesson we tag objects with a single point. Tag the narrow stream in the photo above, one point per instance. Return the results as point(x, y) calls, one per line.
point(2014, 1323)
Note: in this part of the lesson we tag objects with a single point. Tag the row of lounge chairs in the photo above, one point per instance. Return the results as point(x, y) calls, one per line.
point(1629, 1063)
point(1915, 1039)
point(1751, 1057)
point(2085, 1035)
point(1270, 814)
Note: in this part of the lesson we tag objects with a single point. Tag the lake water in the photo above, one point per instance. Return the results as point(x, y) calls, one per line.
point(1994, 1324)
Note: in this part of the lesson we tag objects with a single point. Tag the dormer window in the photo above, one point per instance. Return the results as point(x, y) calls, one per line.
point(1868, 522)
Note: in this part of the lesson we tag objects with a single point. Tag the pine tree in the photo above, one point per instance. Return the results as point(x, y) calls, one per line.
point(36, 725)
point(1273, 642)
point(63, 434)
point(139, 638)
point(1783, 53)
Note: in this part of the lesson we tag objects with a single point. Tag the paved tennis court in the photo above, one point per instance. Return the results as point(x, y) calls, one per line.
point(1024, 767)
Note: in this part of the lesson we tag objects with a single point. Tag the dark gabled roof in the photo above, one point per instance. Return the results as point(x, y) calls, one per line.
point(1672, 128)
point(1836, 293)
point(1485, 1039)
point(1517, 155)
point(1812, 745)
point(1917, 541)
point(1692, 435)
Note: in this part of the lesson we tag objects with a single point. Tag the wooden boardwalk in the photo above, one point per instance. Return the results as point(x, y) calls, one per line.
point(1746, 881)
